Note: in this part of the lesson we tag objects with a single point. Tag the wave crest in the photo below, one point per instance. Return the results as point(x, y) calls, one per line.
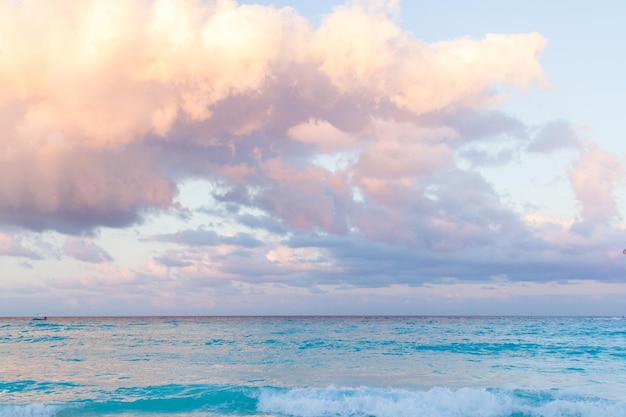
point(436, 402)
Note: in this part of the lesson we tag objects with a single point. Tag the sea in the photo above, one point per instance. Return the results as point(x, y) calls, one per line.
point(313, 366)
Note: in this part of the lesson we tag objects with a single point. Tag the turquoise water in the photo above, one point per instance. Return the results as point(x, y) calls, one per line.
point(313, 366)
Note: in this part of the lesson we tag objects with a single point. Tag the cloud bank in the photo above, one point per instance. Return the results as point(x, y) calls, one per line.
point(326, 144)
point(106, 106)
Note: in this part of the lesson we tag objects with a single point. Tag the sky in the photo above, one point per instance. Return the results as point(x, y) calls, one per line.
point(214, 157)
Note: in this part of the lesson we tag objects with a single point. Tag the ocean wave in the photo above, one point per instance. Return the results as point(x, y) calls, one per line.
point(211, 400)
point(436, 402)
point(30, 410)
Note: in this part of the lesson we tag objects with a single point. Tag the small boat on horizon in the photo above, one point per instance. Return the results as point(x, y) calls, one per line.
point(40, 317)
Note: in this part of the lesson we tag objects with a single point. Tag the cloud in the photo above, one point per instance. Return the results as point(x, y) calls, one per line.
point(324, 135)
point(490, 125)
point(368, 52)
point(262, 222)
point(307, 260)
point(479, 157)
point(349, 153)
point(594, 177)
point(72, 190)
point(554, 136)
point(173, 259)
point(85, 250)
point(306, 198)
point(203, 237)
point(495, 139)
point(11, 246)
point(105, 107)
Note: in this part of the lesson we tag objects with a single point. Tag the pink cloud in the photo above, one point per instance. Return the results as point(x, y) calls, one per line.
point(594, 177)
point(91, 72)
point(105, 107)
point(366, 52)
point(55, 187)
point(10, 246)
point(323, 134)
point(393, 159)
point(85, 250)
point(308, 198)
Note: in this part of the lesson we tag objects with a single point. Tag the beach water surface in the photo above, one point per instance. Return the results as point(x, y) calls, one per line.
point(314, 366)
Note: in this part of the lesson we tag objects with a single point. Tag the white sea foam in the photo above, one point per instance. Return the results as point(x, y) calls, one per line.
point(29, 410)
point(437, 402)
